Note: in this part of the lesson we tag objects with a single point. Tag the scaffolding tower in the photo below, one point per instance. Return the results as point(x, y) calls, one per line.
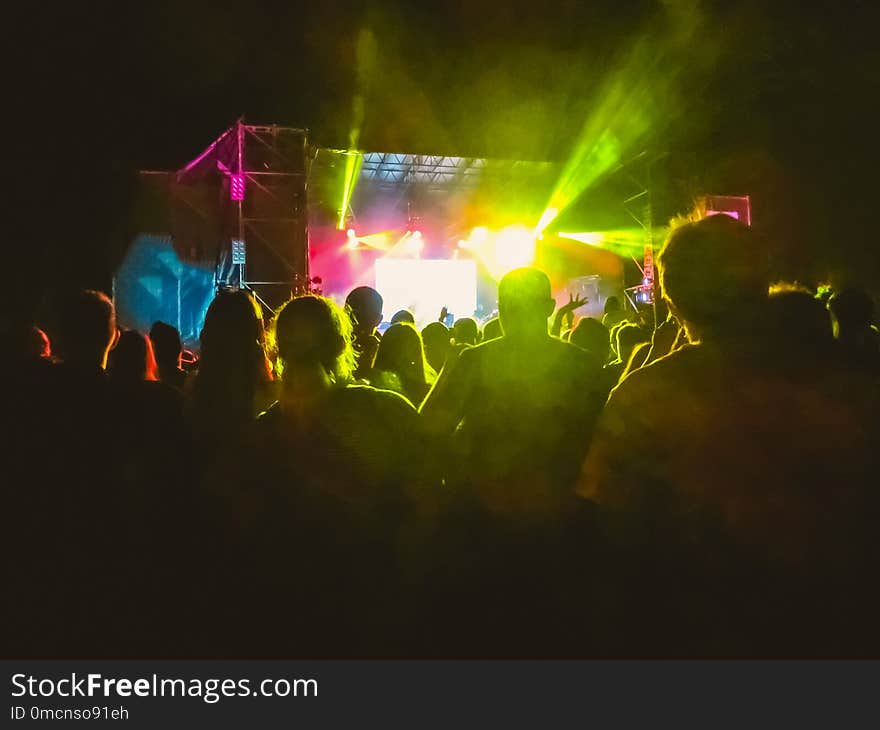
point(262, 173)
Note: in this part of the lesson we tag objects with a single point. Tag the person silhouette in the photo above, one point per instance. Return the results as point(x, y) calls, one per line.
point(234, 382)
point(404, 315)
point(492, 329)
point(736, 455)
point(437, 341)
point(342, 472)
point(853, 313)
point(364, 305)
point(519, 410)
point(400, 364)
point(465, 331)
point(168, 351)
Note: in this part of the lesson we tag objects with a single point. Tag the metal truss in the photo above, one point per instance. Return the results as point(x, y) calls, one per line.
point(436, 171)
point(639, 207)
point(271, 216)
point(429, 170)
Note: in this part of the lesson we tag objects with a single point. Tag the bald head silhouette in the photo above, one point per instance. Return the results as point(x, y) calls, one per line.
point(525, 302)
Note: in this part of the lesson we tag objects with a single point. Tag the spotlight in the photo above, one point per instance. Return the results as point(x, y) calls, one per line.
point(350, 233)
point(514, 247)
point(480, 234)
point(732, 213)
point(413, 243)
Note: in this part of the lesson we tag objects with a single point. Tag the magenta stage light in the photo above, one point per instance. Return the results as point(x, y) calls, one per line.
point(236, 186)
point(732, 213)
point(738, 207)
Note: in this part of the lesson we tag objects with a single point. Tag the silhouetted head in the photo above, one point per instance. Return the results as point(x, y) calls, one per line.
point(612, 304)
point(28, 342)
point(87, 328)
point(714, 275)
point(853, 310)
point(313, 332)
point(436, 341)
point(404, 315)
point(365, 307)
point(233, 341)
point(797, 321)
point(525, 302)
point(166, 344)
point(492, 329)
point(132, 360)
point(627, 337)
point(401, 352)
point(591, 335)
point(465, 331)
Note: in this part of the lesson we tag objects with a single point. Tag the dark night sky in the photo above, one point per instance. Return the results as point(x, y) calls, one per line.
point(786, 111)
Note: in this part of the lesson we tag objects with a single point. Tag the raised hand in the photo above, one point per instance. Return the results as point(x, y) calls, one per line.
point(565, 312)
point(574, 302)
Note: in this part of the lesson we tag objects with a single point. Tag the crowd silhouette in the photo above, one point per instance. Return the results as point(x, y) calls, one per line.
point(694, 480)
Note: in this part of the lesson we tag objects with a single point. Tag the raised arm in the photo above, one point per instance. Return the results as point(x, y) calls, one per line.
point(564, 311)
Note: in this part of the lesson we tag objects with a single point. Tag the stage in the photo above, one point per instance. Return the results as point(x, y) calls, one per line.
point(262, 208)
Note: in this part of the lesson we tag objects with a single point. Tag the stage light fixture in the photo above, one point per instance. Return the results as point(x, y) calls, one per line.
point(514, 247)
point(239, 252)
point(236, 186)
point(737, 207)
point(353, 162)
point(732, 213)
point(351, 233)
point(480, 234)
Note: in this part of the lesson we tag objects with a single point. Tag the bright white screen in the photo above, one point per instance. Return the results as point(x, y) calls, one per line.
point(424, 287)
